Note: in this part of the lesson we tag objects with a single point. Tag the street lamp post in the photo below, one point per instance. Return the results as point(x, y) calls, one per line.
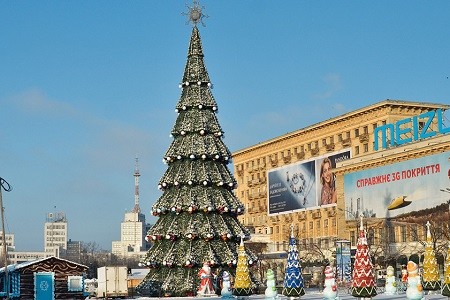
point(4, 185)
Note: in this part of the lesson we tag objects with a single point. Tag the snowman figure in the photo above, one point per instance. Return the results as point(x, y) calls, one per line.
point(271, 290)
point(390, 285)
point(330, 288)
point(414, 291)
point(226, 292)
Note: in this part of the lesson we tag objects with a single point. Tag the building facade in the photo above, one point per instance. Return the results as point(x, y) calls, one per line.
point(55, 233)
point(56, 242)
point(295, 179)
point(9, 237)
point(132, 235)
point(133, 229)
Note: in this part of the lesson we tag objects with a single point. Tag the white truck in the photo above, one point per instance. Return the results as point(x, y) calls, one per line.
point(112, 282)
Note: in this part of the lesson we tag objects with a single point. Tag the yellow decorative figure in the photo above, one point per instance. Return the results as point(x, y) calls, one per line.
point(430, 280)
point(242, 283)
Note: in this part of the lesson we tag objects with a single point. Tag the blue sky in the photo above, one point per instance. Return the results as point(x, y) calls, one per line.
point(85, 86)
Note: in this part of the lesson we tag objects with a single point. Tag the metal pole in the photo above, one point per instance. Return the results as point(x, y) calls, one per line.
point(4, 185)
point(342, 264)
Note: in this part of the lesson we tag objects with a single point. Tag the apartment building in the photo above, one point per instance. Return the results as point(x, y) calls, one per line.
point(281, 181)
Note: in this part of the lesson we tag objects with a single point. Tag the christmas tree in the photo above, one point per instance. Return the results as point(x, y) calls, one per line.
point(293, 279)
point(446, 285)
point(430, 279)
point(363, 284)
point(197, 212)
point(243, 282)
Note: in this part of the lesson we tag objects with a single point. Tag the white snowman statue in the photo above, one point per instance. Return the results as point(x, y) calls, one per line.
point(330, 291)
point(390, 287)
point(226, 292)
point(414, 291)
point(271, 289)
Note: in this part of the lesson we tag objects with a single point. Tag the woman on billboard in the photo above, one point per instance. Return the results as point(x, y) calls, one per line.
point(327, 179)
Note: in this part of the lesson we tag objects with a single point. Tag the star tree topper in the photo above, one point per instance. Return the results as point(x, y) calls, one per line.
point(195, 13)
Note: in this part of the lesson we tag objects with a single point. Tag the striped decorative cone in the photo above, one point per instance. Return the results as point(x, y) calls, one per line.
point(430, 279)
point(446, 285)
point(242, 283)
point(293, 279)
point(363, 284)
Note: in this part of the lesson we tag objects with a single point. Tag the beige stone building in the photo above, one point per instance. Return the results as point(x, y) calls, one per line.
point(354, 134)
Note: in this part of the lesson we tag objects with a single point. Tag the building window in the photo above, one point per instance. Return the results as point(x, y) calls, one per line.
point(311, 225)
point(374, 125)
point(356, 132)
point(414, 234)
point(366, 147)
point(421, 124)
point(366, 129)
point(347, 135)
point(356, 150)
point(339, 137)
point(324, 142)
point(403, 233)
point(75, 283)
point(331, 139)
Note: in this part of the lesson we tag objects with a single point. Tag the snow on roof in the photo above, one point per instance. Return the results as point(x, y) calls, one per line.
point(14, 267)
point(138, 273)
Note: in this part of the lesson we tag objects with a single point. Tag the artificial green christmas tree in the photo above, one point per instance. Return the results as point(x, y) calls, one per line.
point(197, 212)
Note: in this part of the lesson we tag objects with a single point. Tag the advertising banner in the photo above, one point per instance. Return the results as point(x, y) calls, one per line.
point(399, 188)
point(304, 185)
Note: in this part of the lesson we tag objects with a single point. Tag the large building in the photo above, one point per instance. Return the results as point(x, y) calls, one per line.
point(55, 233)
point(56, 242)
point(9, 237)
point(133, 229)
point(298, 178)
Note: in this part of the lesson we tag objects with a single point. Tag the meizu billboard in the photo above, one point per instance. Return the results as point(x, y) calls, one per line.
point(304, 185)
point(395, 189)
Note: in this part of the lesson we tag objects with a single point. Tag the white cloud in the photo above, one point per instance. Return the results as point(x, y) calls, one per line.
point(35, 101)
point(333, 84)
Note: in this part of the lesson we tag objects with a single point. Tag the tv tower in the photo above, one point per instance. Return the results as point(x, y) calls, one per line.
point(136, 208)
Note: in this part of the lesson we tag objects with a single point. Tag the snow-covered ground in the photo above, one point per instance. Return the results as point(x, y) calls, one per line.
point(315, 295)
